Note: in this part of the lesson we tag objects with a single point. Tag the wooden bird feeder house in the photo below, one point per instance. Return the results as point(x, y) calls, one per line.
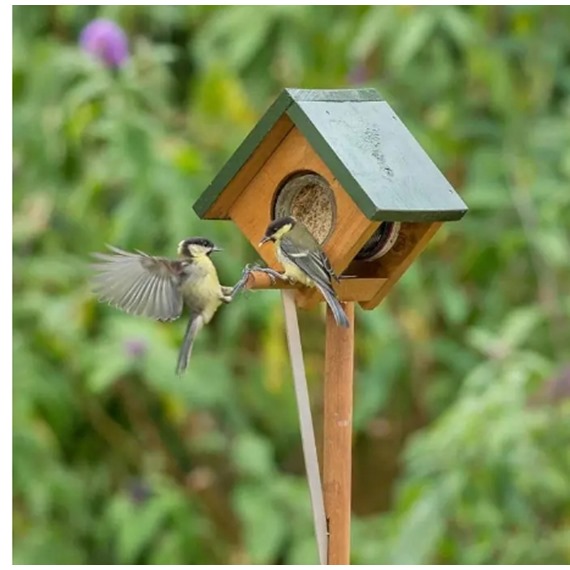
point(343, 163)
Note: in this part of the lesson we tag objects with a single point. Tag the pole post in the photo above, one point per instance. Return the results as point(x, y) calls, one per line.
point(337, 448)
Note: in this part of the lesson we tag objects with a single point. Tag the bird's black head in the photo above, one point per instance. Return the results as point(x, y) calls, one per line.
point(196, 246)
point(278, 228)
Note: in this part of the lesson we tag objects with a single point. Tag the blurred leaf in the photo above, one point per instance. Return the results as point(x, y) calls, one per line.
point(520, 324)
point(412, 37)
point(553, 245)
point(264, 527)
point(137, 525)
point(423, 527)
point(375, 25)
point(252, 455)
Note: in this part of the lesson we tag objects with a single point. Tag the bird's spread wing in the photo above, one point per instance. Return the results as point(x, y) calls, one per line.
point(138, 283)
point(315, 264)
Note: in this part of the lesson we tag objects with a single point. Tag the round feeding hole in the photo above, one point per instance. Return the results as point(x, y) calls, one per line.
point(308, 198)
point(381, 242)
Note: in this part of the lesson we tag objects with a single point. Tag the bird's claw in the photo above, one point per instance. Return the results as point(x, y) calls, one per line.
point(246, 272)
point(273, 275)
point(254, 267)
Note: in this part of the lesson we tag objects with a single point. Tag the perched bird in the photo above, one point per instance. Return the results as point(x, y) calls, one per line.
point(304, 261)
point(157, 287)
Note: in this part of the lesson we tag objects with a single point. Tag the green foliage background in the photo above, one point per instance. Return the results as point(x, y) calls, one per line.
point(462, 419)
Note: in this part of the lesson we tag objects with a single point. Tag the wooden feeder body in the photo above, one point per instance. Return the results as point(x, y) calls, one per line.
point(372, 167)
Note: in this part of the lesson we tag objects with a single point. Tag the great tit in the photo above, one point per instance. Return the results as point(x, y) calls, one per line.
point(304, 261)
point(157, 287)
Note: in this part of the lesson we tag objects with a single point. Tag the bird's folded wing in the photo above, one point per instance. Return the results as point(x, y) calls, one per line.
point(139, 284)
point(314, 263)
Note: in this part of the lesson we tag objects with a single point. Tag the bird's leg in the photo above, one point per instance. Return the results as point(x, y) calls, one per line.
point(231, 292)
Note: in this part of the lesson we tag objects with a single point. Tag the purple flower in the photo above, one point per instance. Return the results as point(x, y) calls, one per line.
point(358, 74)
point(135, 348)
point(106, 41)
point(139, 492)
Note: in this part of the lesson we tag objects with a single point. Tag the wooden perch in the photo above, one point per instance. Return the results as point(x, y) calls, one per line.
point(348, 289)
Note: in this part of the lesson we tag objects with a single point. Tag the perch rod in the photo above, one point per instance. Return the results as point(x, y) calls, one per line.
point(348, 289)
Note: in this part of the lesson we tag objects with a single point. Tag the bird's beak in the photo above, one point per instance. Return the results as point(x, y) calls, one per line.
point(265, 239)
point(216, 248)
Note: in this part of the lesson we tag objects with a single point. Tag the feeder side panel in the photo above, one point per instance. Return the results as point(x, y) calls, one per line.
point(252, 213)
point(396, 262)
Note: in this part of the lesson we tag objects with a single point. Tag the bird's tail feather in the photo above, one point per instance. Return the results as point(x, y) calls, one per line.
point(336, 308)
point(194, 325)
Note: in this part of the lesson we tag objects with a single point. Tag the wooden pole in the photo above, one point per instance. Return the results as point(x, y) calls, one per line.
point(337, 452)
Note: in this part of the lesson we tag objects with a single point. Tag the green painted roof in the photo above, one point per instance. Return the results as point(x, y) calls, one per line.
point(366, 146)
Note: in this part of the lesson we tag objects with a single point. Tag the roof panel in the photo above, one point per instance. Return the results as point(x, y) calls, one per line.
point(377, 160)
point(334, 95)
point(365, 145)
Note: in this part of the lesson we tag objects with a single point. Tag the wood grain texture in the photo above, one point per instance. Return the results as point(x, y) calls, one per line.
point(337, 445)
point(348, 289)
point(252, 211)
point(413, 239)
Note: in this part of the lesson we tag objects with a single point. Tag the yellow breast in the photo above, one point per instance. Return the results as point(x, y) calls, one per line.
point(201, 289)
point(292, 271)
